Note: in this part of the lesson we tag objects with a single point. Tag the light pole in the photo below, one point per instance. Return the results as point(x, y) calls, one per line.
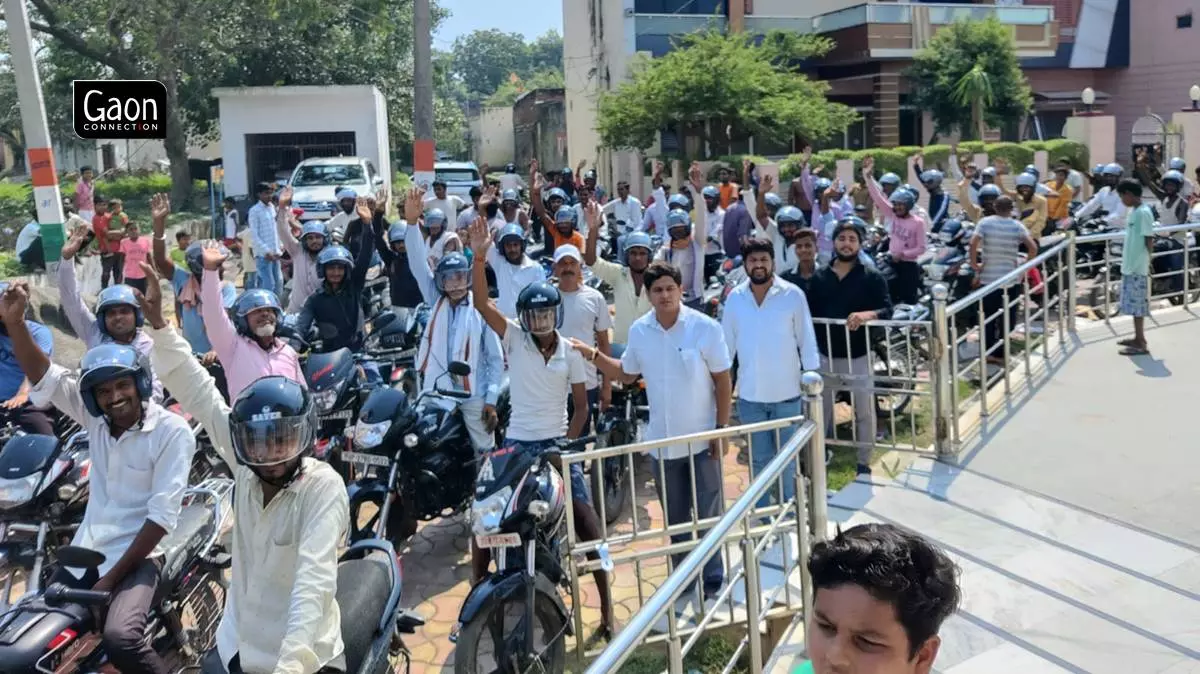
point(1089, 99)
point(39, 157)
point(1194, 94)
point(424, 149)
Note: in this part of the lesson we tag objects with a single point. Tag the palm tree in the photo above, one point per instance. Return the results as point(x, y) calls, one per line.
point(974, 89)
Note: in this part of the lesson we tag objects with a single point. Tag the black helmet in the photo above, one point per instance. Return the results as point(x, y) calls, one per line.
point(589, 174)
point(510, 168)
point(452, 264)
point(334, 255)
point(194, 256)
point(989, 191)
point(850, 222)
point(273, 421)
point(113, 296)
point(536, 304)
point(111, 361)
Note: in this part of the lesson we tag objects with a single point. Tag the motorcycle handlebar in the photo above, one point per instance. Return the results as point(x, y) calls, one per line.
point(58, 594)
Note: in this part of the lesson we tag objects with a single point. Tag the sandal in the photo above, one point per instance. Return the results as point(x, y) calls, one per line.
point(1134, 350)
point(1127, 342)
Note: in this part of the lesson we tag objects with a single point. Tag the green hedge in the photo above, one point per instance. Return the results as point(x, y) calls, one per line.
point(895, 160)
point(16, 198)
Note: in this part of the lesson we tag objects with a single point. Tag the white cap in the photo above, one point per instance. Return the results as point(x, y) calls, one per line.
point(567, 250)
point(345, 193)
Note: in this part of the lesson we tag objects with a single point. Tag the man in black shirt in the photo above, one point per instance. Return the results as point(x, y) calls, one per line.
point(847, 290)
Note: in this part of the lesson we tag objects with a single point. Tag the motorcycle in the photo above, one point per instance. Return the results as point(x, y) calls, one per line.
point(616, 426)
point(393, 341)
point(55, 630)
point(416, 457)
point(43, 495)
point(1090, 256)
point(728, 277)
point(518, 512)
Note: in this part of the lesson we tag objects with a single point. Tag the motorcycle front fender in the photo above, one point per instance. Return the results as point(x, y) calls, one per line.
point(366, 490)
point(505, 585)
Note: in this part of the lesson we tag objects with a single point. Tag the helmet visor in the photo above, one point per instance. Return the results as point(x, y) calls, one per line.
point(540, 321)
point(453, 281)
point(269, 439)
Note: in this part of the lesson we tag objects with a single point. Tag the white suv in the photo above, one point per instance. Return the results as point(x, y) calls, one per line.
point(316, 180)
point(459, 176)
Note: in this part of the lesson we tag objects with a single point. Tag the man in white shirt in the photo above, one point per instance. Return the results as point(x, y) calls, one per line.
point(464, 219)
point(290, 514)
point(141, 455)
point(585, 318)
point(545, 374)
point(449, 204)
point(510, 180)
point(513, 268)
point(681, 353)
point(625, 208)
point(266, 241)
point(1106, 199)
point(769, 330)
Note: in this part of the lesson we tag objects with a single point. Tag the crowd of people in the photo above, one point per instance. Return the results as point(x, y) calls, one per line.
point(556, 338)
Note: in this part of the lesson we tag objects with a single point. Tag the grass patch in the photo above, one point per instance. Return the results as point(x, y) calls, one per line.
point(914, 428)
point(710, 655)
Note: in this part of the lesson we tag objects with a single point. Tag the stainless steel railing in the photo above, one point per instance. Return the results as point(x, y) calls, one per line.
point(752, 530)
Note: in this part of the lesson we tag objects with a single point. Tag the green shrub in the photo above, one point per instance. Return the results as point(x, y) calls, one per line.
point(733, 162)
point(1075, 151)
point(15, 200)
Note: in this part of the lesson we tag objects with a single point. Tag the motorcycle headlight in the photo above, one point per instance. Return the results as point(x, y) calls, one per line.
point(411, 440)
point(19, 491)
point(367, 436)
point(325, 400)
point(487, 514)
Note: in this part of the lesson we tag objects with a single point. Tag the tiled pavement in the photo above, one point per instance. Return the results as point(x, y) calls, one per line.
point(437, 571)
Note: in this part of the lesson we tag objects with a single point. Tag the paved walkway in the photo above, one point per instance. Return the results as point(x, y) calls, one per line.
point(1075, 518)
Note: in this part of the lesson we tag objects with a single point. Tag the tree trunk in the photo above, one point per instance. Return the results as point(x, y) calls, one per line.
point(977, 118)
point(182, 194)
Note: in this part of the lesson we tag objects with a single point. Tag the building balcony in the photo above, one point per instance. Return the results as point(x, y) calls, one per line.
point(867, 31)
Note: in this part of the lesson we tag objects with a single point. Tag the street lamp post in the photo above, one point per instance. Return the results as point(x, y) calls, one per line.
point(1088, 96)
point(1194, 94)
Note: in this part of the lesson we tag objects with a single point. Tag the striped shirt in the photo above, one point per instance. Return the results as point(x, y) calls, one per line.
point(1000, 243)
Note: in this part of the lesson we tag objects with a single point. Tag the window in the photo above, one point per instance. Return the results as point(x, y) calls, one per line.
point(1184, 20)
point(464, 175)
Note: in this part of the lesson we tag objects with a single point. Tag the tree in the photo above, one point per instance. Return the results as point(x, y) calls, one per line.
point(546, 53)
point(192, 47)
point(510, 91)
point(485, 59)
point(968, 78)
point(712, 82)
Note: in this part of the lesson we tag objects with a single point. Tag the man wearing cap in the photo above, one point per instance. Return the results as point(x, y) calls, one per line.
point(120, 313)
point(585, 318)
point(266, 240)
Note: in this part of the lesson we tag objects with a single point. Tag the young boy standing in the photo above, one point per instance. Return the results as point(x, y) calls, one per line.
point(1135, 266)
point(136, 249)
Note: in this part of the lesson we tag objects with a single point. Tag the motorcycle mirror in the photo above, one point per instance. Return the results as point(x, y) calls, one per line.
point(459, 369)
point(79, 558)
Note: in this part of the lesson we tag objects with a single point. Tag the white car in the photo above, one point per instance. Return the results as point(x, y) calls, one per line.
point(314, 182)
point(459, 176)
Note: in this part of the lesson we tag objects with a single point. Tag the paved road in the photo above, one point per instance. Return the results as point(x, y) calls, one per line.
point(1074, 520)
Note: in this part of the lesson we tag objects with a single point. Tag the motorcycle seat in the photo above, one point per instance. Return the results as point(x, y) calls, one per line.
point(363, 588)
point(193, 529)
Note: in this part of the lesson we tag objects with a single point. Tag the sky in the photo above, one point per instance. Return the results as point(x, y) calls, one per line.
point(530, 18)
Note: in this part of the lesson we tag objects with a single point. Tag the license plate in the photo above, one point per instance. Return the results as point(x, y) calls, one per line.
point(488, 541)
point(368, 459)
point(344, 414)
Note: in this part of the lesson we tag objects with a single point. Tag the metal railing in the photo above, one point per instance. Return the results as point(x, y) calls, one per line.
point(739, 537)
point(1021, 321)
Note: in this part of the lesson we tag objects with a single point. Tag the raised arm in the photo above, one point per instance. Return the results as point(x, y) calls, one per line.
point(481, 241)
point(218, 327)
point(82, 320)
point(592, 214)
point(160, 208)
point(179, 371)
point(33, 361)
point(414, 243)
point(964, 196)
point(362, 258)
point(282, 227)
point(877, 196)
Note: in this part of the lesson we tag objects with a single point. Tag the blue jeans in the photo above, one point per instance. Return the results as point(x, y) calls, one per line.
point(579, 486)
point(270, 274)
point(763, 445)
point(676, 476)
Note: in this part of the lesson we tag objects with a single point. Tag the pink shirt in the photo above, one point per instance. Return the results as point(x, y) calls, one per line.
point(83, 196)
point(243, 359)
point(135, 252)
point(907, 233)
